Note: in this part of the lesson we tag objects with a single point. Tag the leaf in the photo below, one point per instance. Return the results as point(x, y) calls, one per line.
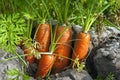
point(13, 72)
point(13, 27)
point(25, 77)
point(110, 76)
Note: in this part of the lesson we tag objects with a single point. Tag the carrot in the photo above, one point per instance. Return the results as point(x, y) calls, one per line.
point(45, 64)
point(89, 12)
point(43, 37)
point(46, 61)
point(62, 49)
point(29, 58)
point(81, 46)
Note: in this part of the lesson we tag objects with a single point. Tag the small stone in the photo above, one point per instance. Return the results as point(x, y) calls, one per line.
point(77, 28)
point(105, 54)
point(118, 65)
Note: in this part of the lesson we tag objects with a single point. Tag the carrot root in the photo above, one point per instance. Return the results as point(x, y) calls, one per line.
point(81, 46)
point(45, 64)
point(62, 49)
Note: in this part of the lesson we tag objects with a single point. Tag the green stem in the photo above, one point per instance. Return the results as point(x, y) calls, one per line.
point(11, 2)
point(3, 6)
point(34, 9)
point(28, 29)
point(13, 57)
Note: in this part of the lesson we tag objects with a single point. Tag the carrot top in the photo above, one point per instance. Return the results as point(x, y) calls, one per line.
point(62, 10)
point(89, 10)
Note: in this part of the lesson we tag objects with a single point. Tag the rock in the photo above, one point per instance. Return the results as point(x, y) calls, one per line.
point(100, 39)
point(72, 74)
point(10, 64)
point(107, 58)
point(31, 69)
point(105, 55)
point(7, 65)
point(110, 31)
point(77, 28)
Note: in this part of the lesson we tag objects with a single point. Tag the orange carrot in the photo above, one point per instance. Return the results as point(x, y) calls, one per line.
point(62, 49)
point(45, 64)
point(81, 46)
point(43, 37)
point(29, 58)
point(46, 61)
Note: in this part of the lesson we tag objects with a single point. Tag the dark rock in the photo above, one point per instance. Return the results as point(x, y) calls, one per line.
point(72, 74)
point(107, 58)
point(31, 69)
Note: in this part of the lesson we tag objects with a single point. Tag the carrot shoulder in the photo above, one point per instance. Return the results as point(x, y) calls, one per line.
point(62, 49)
point(81, 46)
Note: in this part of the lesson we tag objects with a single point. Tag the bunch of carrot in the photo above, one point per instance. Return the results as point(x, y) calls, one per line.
point(54, 44)
point(59, 59)
point(56, 49)
point(55, 61)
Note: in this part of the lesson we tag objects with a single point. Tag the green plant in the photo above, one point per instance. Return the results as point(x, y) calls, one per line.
point(111, 24)
point(41, 10)
point(110, 17)
point(99, 25)
point(114, 7)
point(63, 11)
point(12, 30)
point(89, 11)
point(15, 6)
point(15, 74)
point(110, 76)
point(113, 13)
point(79, 66)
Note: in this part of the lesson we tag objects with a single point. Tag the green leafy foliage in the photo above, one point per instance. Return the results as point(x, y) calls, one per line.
point(62, 10)
point(110, 76)
point(40, 9)
point(114, 7)
point(89, 10)
point(113, 13)
point(109, 23)
point(15, 74)
point(12, 29)
point(15, 6)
